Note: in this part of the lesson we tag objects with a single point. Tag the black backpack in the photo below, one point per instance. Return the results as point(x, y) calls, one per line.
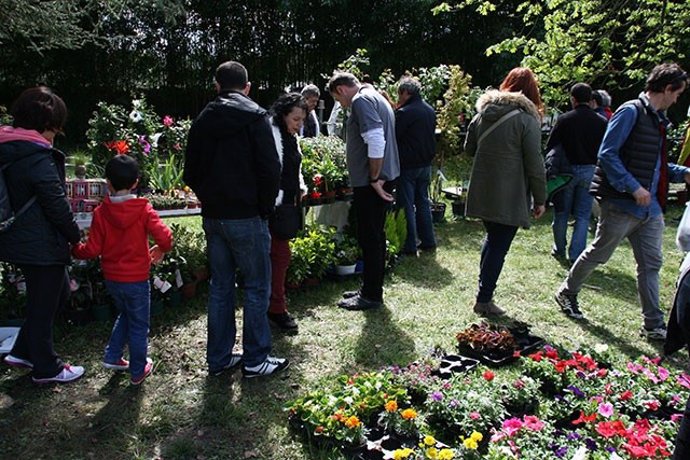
point(7, 214)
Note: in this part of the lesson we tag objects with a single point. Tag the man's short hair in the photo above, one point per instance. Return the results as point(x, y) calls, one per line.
point(310, 91)
point(596, 97)
point(665, 74)
point(410, 86)
point(122, 171)
point(341, 79)
point(231, 75)
point(581, 92)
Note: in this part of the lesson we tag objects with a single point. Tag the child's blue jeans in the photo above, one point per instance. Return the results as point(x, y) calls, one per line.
point(133, 301)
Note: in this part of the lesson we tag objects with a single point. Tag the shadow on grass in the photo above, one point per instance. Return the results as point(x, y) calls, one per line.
point(119, 416)
point(425, 271)
point(613, 283)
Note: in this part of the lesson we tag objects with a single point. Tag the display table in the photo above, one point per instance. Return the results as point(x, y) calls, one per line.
point(83, 219)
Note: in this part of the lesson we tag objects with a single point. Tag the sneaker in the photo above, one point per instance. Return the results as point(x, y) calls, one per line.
point(569, 305)
point(147, 371)
point(235, 361)
point(66, 375)
point(359, 303)
point(120, 365)
point(488, 309)
point(349, 294)
point(559, 256)
point(18, 362)
point(658, 333)
point(282, 321)
point(269, 367)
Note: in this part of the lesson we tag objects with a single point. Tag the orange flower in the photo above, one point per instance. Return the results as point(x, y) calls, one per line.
point(409, 414)
point(318, 429)
point(121, 147)
point(352, 422)
point(391, 406)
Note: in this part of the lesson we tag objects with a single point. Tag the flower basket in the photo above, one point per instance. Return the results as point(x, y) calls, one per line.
point(496, 345)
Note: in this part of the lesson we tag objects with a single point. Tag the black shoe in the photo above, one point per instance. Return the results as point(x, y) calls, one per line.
point(569, 304)
point(559, 256)
point(350, 294)
point(427, 248)
point(282, 321)
point(359, 303)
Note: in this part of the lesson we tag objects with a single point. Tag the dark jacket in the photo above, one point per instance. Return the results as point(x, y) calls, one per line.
point(580, 132)
point(41, 235)
point(639, 154)
point(415, 126)
point(231, 161)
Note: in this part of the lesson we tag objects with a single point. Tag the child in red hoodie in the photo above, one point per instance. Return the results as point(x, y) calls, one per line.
point(119, 233)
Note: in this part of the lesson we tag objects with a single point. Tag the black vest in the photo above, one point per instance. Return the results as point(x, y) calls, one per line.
point(639, 154)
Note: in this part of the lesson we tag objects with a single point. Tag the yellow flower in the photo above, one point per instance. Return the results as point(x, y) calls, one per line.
point(445, 454)
point(470, 443)
point(477, 436)
point(432, 453)
point(352, 422)
point(391, 406)
point(409, 414)
point(429, 440)
point(400, 454)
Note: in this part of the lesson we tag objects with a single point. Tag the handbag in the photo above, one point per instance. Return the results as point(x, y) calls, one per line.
point(286, 221)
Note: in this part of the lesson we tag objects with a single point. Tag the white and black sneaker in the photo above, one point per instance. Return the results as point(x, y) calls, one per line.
point(658, 333)
point(569, 304)
point(270, 366)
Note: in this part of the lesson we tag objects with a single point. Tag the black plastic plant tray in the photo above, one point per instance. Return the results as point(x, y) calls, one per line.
point(526, 343)
point(455, 364)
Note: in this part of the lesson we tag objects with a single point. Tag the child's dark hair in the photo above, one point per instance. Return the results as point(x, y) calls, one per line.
point(122, 171)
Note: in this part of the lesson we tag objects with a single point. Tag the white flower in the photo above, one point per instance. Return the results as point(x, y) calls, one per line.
point(581, 454)
point(154, 139)
point(601, 348)
point(136, 103)
point(135, 116)
point(348, 400)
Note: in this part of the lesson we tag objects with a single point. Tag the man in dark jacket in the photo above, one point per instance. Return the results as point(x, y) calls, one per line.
point(579, 132)
point(232, 165)
point(415, 125)
point(631, 184)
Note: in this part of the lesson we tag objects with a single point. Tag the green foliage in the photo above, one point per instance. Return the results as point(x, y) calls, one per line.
point(167, 177)
point(190, 246)
point(396, 230)
point(5, 118)
point(347, 250)
point(324, 156)
point(312, 254)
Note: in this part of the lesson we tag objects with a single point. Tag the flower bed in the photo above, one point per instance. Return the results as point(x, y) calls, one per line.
point(563, 405)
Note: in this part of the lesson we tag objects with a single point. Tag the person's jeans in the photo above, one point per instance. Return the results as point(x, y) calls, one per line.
point(645, 236)
point(234, 244)
point(370, 211)
point(413, 198)
point(573, 199)
point(494, 249)
point(133, 301)
point(280, 261)
point(47, 292)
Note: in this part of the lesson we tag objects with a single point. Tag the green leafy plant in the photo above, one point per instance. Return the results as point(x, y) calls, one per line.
point(347, 250)
point(166, 178)
point(396, 230)
point(312, 254)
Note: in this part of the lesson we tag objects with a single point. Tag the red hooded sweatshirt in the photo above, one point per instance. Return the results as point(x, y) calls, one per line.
point(119, 234)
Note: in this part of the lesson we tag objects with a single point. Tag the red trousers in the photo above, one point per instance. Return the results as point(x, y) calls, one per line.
point(280, 260)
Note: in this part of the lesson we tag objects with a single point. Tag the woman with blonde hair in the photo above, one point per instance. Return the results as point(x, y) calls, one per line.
point(508, 180)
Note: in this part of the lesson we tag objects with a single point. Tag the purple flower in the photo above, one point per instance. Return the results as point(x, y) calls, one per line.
point(591, 444)
point(145, 144)
point(576, 391)
point(559, 451)
point(437, 396)
point(573, 436)
point(580, 375)
point(454, 403)
point(610, 449)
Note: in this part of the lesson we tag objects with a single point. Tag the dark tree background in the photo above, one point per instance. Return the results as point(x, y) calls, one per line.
point(92, 50)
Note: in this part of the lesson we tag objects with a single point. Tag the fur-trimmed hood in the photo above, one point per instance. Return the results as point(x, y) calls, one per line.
point(493, 104)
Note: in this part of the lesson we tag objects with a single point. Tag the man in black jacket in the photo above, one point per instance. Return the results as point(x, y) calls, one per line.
point(579, 132)
point(232, 165)
point(415, 125)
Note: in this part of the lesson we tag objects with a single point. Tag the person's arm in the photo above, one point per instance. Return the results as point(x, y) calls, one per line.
point(678, 173)
point(471, 139)
point(555, 136)
point(94, 242)
point(617, 132)
point(267, 166)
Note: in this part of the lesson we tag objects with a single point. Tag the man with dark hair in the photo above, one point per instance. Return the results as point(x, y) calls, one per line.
point(579, 133)
point(415, 126)
point(631, 184)
point(310, 128)
point(232, 165)
point(373, 165)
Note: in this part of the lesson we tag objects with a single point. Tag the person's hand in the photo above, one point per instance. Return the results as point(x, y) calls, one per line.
point(156, 254)
point(642, 197)
point(378, 186)
point(538, 211)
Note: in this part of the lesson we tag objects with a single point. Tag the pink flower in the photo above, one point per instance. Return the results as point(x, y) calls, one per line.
point(168, 121)
point(511, 426)
point(533, 423)
point(684, 380)
point(606, 410)
point(474, 415)
point(676, 418)
point(663, 373)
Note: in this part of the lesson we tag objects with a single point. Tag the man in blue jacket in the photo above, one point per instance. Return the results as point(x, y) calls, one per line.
point(415, 126)
point(232, 165)
point(631, 184)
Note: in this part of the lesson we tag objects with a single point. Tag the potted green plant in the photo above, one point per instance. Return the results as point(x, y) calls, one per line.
point(347, 252)
point(80, 160)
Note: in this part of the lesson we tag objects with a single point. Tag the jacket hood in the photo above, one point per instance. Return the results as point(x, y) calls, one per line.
point(494, 104)
point(229, 113)
point(123, 214)
point(16, 143)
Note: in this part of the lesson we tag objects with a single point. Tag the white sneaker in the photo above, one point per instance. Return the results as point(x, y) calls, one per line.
point(67, 374)
point(18, 362)
point(270, 366)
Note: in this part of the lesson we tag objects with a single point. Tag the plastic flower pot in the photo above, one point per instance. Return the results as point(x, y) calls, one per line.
point(438, 211)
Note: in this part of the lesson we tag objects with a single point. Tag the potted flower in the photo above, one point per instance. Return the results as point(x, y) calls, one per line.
point(347, 253)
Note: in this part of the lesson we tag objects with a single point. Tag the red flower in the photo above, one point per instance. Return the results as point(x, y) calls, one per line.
point(626, 395)
point(652, 405)
point(536, 356)
point(488, 375)
point(610, 429)
point(551, 353)
point(121, 147)
point(584, 418)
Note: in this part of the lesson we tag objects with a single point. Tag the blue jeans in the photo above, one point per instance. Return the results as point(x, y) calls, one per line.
point(645, 236)
point(413, 197)
point(238, 244)
point(498, 239)
point(573, 199)
point(133, 301)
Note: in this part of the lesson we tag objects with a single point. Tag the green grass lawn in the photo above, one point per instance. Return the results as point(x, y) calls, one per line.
point(181, 413)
